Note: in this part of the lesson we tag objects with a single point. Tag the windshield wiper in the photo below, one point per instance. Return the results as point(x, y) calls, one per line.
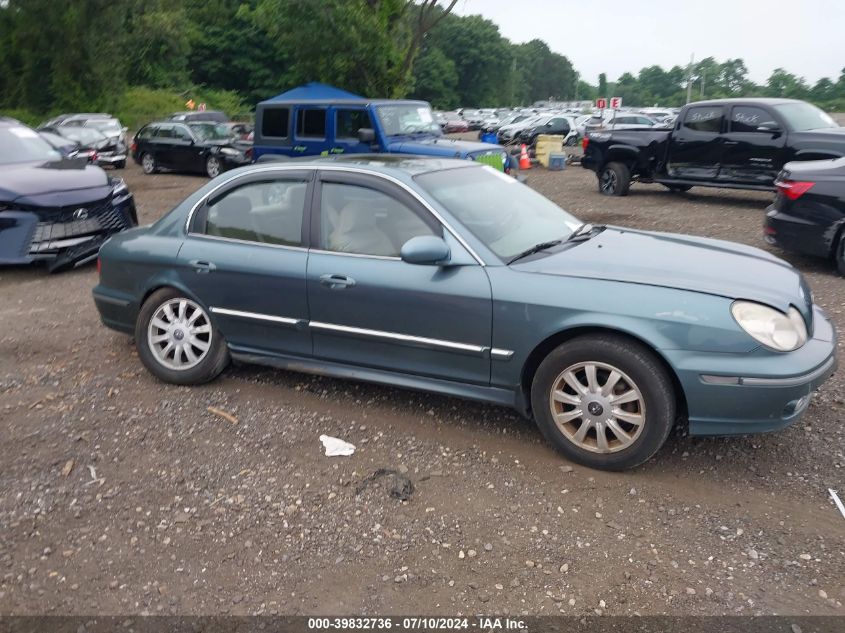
point(534, 249)
point(581, 234)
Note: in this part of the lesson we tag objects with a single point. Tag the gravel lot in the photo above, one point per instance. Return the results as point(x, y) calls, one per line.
point(122, 495)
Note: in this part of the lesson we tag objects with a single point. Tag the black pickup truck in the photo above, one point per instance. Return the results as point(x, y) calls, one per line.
point(736, 143)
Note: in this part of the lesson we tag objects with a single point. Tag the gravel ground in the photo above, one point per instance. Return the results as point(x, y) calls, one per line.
point(122, 495)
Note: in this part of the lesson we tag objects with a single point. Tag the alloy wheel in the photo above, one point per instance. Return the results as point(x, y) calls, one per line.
point(179, 334)
point(148, 164)
point(609, 181)
point(597, 407)
point(212, 167)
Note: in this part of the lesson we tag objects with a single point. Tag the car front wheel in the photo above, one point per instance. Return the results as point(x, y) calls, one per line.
point(176, 340)
point(603, 401)
point(212, 166)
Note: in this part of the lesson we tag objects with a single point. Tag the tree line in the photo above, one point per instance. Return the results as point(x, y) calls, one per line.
point(139, 57)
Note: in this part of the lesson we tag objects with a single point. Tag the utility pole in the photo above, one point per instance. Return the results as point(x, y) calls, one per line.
point(703, 77)
point(689, 77)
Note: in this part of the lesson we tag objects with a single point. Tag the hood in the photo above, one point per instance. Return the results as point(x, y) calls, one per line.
point(441, 147)
point(24, 181)
point(684, 262)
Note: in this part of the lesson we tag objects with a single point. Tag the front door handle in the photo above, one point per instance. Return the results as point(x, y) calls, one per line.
point(336, 282)
point(731, 142)
point(202, 267)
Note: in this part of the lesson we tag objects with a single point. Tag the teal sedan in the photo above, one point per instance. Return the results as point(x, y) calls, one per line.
point(452, 277)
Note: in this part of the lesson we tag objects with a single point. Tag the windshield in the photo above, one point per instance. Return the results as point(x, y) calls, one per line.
point(802, 117)
point(408, 118)
point(106, 126)
point(211, 131)
point(507, 216)
point(19, 144)
point(84, 135)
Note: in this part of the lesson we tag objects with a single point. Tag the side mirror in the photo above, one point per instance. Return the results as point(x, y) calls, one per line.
point(771, 127)
point(366, 135)
point(425, 250)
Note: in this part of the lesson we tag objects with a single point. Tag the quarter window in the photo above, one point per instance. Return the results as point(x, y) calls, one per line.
point(264, 212)
point(311, 123)
point(274, 122)
point(749, 118)
point(704, 119)
point(355, 219)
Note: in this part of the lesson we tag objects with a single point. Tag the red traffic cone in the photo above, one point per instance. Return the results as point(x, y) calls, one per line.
point(524, 161)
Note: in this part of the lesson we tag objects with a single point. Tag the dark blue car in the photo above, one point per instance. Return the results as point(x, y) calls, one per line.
point(55, 209)
point(320, 120)
point(450, 276)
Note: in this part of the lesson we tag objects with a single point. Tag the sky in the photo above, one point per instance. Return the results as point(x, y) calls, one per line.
point(806, 37)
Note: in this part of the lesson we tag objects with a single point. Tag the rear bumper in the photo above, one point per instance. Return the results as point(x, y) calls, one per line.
point(798, 233)
point(731, 394)
point(117, 311)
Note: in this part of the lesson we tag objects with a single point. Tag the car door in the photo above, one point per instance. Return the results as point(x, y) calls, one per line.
point(752, 155)
point(310, 128)
point(347, 120)
point(163, 146)
point(695, 147)
point(245, 259)
point(370, 308)
point(187, 154)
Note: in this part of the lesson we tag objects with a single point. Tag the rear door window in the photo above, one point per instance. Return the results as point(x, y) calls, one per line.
point(749, 118)
point(311, 123)
point(164, 132)
point(704, 119)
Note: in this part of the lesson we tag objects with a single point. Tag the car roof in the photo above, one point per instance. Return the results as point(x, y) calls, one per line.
point(750, 100)
point(406, 164)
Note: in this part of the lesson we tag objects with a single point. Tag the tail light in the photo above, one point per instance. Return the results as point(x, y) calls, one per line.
point(793, 189)
point(585, 142)
point(134, 147)
point(92, 157)
point(99, 267)
point(248, 153)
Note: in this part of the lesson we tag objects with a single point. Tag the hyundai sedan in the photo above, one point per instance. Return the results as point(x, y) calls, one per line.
point(451, 277)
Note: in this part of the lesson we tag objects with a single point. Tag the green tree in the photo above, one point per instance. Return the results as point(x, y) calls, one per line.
point(436, 79)
point(603, 86)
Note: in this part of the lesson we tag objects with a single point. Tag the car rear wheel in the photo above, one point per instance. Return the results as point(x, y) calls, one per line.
point(572, 141)
point(212, 166)
point(615, 179)
point(148, 163)
point(177, 341)
point(840, 259)
point(603, 401)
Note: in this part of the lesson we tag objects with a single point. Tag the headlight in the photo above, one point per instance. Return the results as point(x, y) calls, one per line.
point(774, 329)
point(118, 187)
point(229, 151)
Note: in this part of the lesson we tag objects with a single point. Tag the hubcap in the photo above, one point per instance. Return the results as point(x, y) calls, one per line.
point(608, 181)
point(179, 334)
point(597, 407)
point(148, 163)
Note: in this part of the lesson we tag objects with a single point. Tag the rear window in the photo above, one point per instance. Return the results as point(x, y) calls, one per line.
point(274, 122)
point(704, 119)
point(311, 123)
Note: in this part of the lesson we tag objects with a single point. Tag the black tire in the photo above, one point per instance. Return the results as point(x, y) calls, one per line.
point(572, 141)
point(640, 372)
point(614, 179)
point(678, 188)
point(840, 258)
point(149, 164)
point(210, 365)
point(120, 164)
point(213, 166)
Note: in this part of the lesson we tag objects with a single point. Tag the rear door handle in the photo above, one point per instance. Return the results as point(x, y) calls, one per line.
point(336, 282)
point(202, 267)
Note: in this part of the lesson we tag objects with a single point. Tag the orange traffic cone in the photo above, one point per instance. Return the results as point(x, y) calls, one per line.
point(524, 161)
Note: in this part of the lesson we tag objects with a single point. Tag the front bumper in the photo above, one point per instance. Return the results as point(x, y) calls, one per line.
point(734, 394)
point(110, 158)
point(63, 241)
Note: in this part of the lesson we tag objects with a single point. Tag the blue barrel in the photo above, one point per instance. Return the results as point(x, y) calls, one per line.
point(489, 137)
point(557, 162)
